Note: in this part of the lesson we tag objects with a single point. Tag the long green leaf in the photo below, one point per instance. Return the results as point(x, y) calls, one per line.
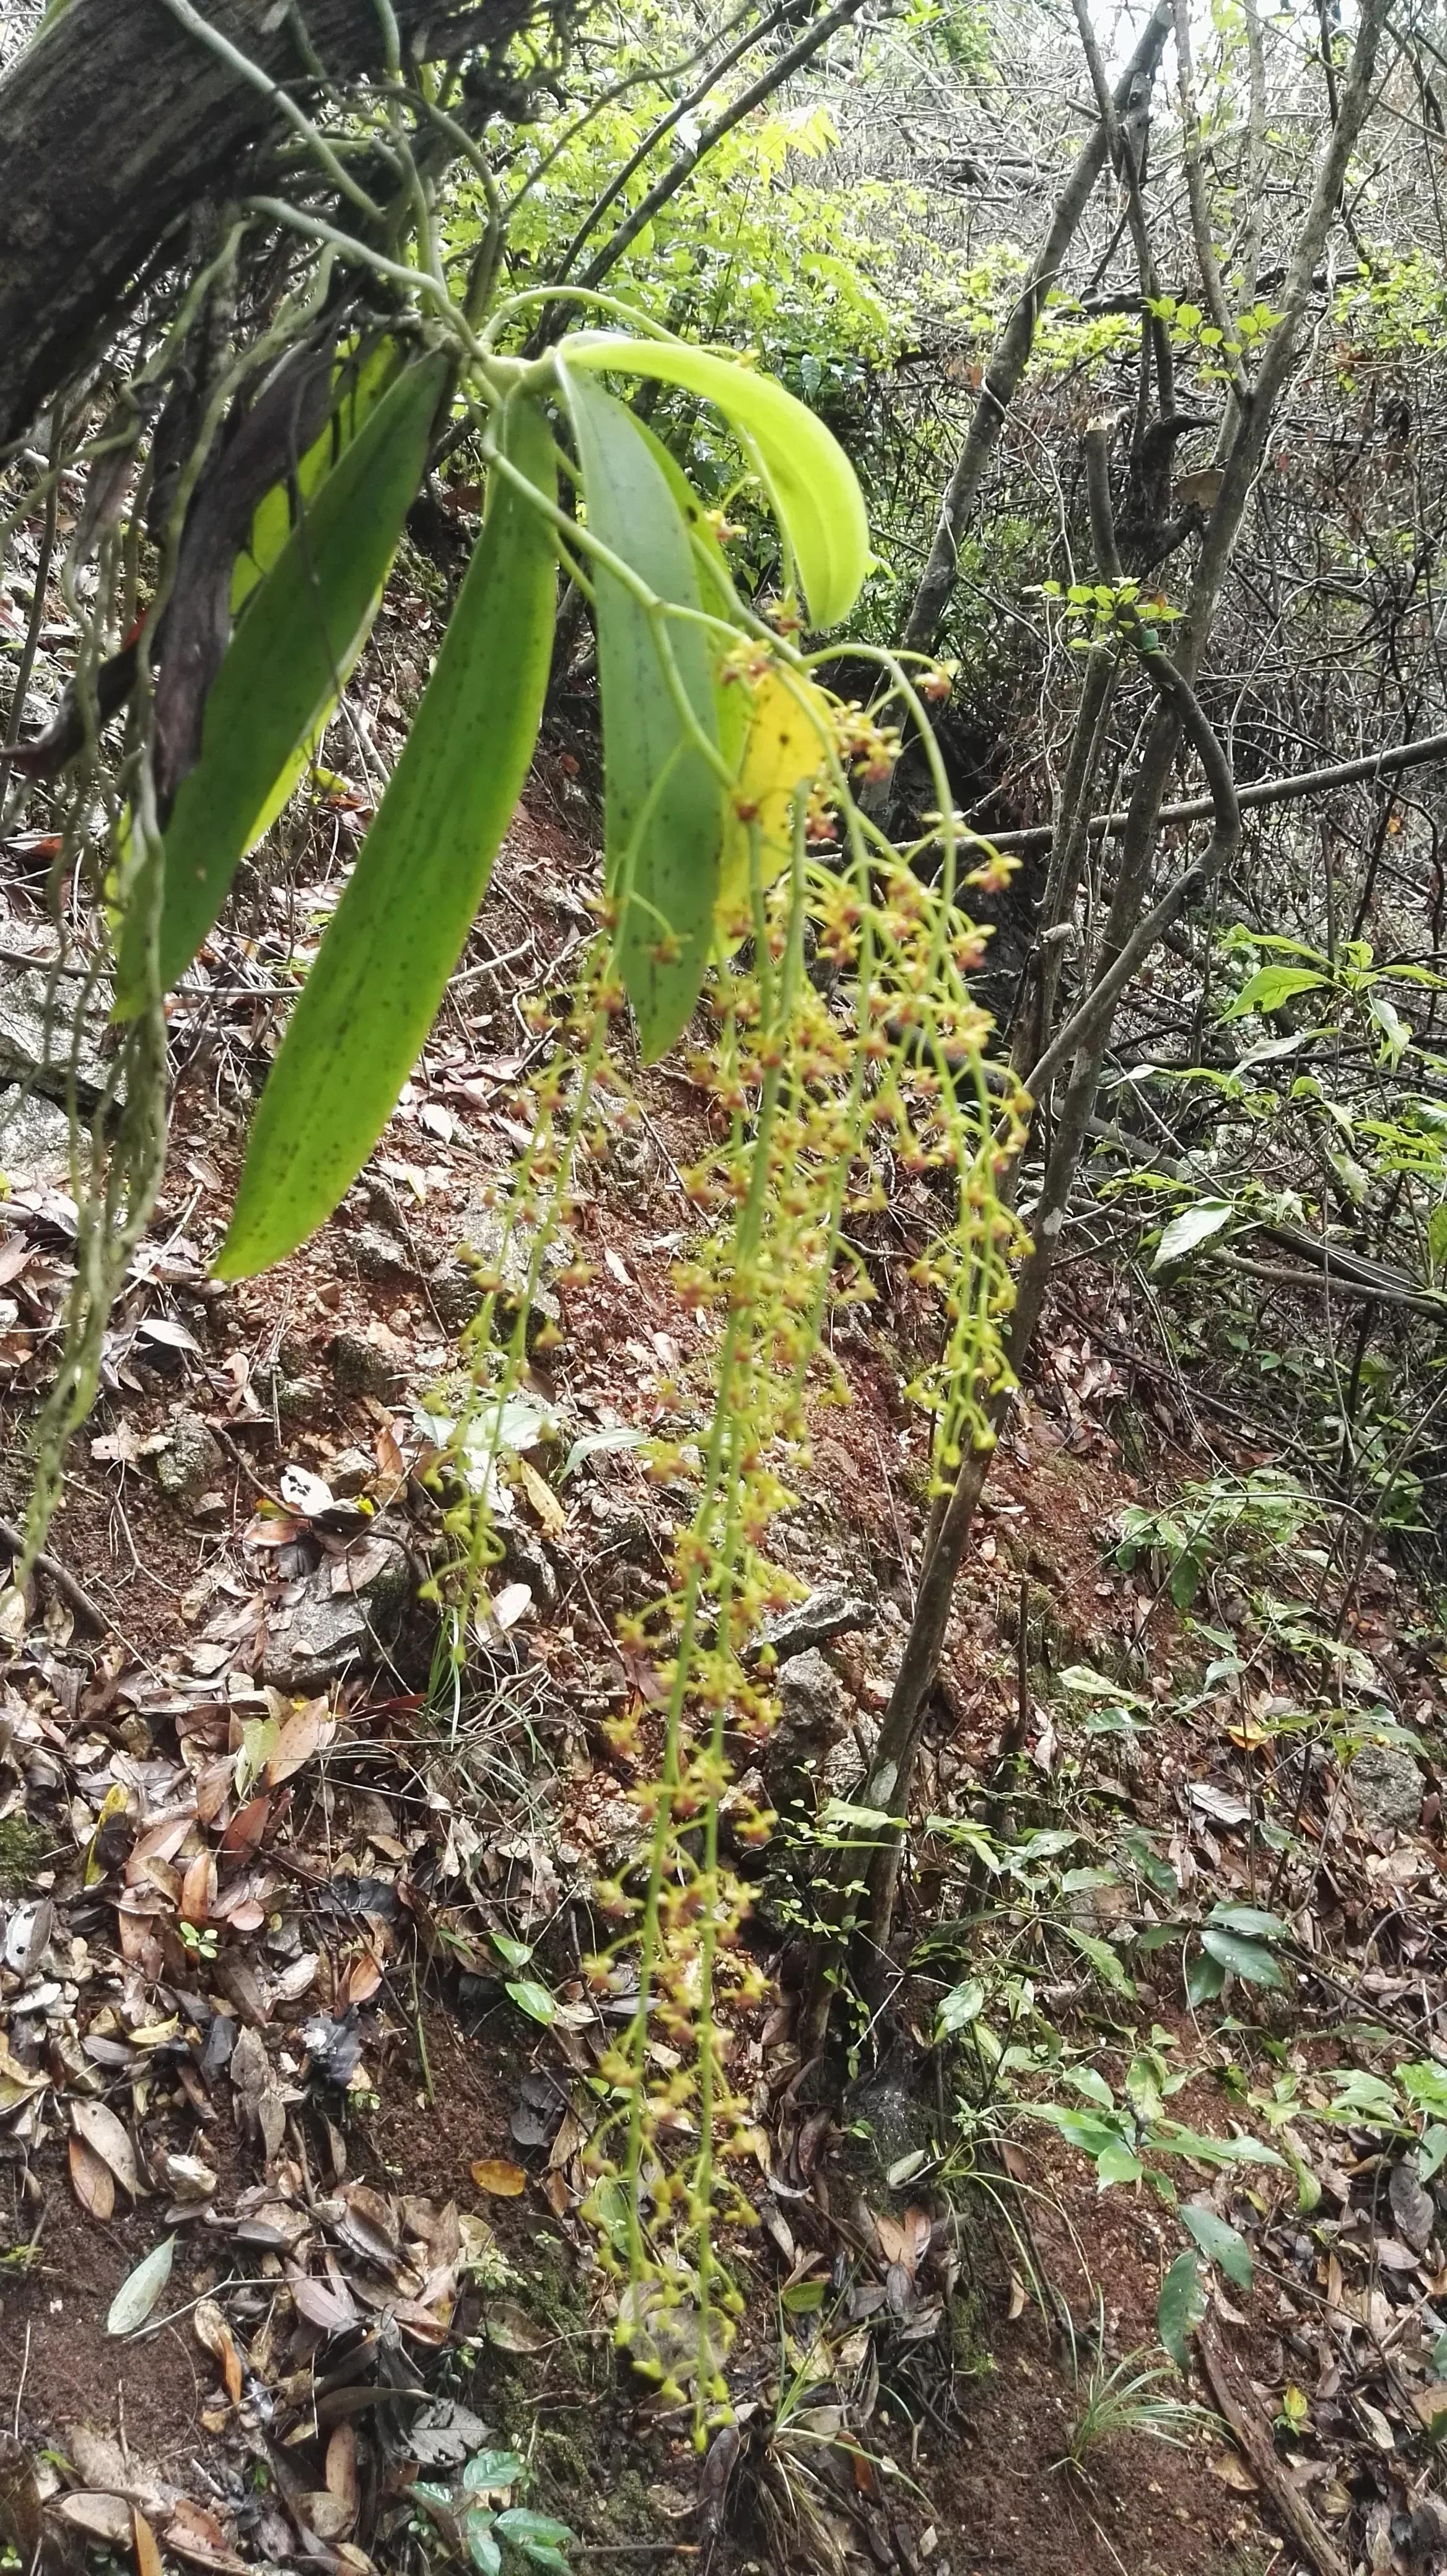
point(810, 477)
point(1248, 1959)
point(1219, 2242)
point(715, 590)
point(663, 801)
point(361, 379)
point(371, 997)
point(1180, 2308)
point(302, 630)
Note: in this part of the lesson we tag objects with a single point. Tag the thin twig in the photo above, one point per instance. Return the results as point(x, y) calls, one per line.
point(81, 1601)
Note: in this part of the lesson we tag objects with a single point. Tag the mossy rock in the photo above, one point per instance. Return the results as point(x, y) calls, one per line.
point(23, 1851)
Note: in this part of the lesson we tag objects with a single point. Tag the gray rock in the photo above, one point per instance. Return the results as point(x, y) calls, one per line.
point(358, 1367)
point(34, 1137)
point(379, 1255)
point(1385, 1786)
point(831, 1610)
point(484, 1244)
point(350, 1473)
point(192, 1463)
point(38, 1032)
point(323, 1632)
point(526, 1561)
point(811, 1703)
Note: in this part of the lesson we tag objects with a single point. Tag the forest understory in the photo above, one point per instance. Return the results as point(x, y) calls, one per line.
point(723, 1252)
point(238, 1778)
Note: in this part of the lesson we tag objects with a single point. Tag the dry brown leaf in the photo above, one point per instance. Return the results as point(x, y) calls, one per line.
point(247, 1826)
point(104, 2517)
point(148, 2555)
point(307, 1732)
point(512, 2329)
point(551, 1516)
point(109, 2139)
point(894, 2240)
point(195, 2534)
point(363, 1977)
point(493, 2174)
point(571, 2138)
point(372, 2216)
point(158, 1843)
point(198, 1886)
point(92, 2180)
point(213, 2332)
point(341, 2469)
point(1233, 2472)
point(212, 1786)
point(320, 2513)
point(332, 2310)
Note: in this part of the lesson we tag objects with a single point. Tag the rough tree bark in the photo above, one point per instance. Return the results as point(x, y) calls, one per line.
point(120, 119)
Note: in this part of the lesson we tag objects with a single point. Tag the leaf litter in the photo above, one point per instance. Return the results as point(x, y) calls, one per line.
point(257, 1906)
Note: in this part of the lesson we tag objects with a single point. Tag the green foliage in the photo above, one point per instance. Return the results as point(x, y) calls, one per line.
point(413, 894)
point(663, 807)
point(814, 493)
point(1129, 2398)
point(1241, 1520)
point(757, 251)
point(1180, 2309)
point(304, 624)
point(1220, 2243)
point(492, 2538)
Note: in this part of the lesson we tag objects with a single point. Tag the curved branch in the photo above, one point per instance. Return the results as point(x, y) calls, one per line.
point(118, 121)
point(1176, 693)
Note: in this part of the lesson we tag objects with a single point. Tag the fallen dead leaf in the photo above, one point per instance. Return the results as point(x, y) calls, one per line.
point(198, 1886)
point(1233, 2472)
point(215, 2335)
point(110, 2140)
point(512, 2329)
point(91, 2178)
point(341, 2471)
point(493, 2174)
point(334, 2311)
point(103, 2517)
point(148, 2555)
point(306, 1733)
point(322, 2514)
point(247, 1826)
point(197, 2535)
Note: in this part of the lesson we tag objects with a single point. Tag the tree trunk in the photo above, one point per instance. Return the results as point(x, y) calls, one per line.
point(1017, 340)
point(120, 118)
point(890, 1778)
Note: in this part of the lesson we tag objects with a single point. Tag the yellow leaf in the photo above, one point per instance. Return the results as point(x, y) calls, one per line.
point(783, 751)
point(544, 1501)
point(148, 2555)
point(502, 2180)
